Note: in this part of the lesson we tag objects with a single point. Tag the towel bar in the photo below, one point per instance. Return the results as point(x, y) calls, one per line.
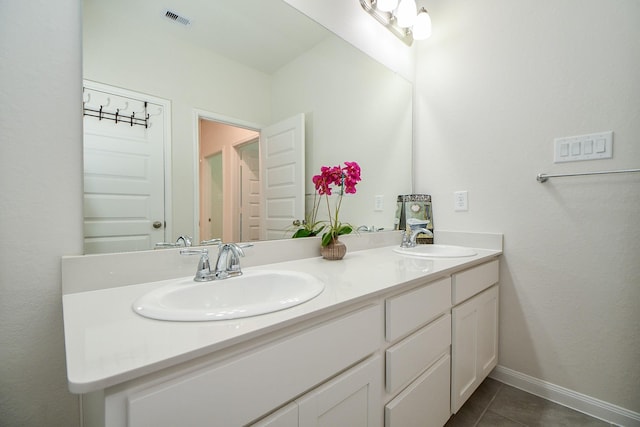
point(543, 177)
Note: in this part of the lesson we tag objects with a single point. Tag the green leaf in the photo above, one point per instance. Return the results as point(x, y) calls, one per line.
point(344, 229)
point(301, 233)
point(326, 238)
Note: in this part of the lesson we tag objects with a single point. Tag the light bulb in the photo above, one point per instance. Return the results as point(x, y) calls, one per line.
point(422, 26)
point(406, 13)
point(386, 5)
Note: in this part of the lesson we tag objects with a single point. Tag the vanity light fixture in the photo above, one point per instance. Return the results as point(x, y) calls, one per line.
point(405, 13)
point(422, 26)
point(401, 17)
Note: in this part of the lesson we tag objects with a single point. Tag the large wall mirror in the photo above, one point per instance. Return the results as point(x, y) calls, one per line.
point(255, 62)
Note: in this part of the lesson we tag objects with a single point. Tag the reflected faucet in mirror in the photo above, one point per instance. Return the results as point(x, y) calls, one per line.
point(369, 229)
point(184, 241)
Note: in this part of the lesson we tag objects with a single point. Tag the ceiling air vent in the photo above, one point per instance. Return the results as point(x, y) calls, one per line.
point(176, 17)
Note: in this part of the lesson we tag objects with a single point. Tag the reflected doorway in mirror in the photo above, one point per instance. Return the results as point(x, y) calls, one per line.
point(258, 187)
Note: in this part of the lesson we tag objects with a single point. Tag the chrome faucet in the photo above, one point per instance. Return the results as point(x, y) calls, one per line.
point(181, 241)
point(186, 241)
point(409, 236)
point(227, 264)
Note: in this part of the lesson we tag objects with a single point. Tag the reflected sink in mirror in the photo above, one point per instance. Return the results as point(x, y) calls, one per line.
point(436, 251)
point(255, 292)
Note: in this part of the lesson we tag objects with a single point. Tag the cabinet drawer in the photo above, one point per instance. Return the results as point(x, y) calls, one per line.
point(425, 403)
point(240, 390)
point(405, 360)
point(473, 281)
point(408, 311)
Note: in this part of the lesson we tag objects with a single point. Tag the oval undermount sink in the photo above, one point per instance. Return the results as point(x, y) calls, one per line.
point(255, 292)
point(436, 251)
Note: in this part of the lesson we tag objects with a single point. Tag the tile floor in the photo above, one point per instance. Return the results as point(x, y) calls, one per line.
point(495, 404)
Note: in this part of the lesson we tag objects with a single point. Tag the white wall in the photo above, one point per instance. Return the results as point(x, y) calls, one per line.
point(40, 206)
point(496, 83)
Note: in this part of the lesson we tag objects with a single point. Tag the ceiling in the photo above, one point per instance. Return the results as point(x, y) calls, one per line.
point(262, 34)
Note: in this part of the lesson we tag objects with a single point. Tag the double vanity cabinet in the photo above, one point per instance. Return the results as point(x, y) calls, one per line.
point(404, 355)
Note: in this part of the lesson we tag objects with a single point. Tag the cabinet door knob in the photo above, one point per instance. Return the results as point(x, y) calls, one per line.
point(157, 224)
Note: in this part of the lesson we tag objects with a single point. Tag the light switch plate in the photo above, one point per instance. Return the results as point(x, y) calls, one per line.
point(378, 203)
point(594, 146)
point(460, 201)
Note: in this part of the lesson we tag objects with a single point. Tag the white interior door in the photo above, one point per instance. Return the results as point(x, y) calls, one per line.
point(282, 176)
point(249, 191)
point(123, 175)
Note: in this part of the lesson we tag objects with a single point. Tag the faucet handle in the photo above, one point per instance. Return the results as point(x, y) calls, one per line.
point(194, 251)
point(406, 238)
point(211, 242)
point(203, 273)
point(162, 245)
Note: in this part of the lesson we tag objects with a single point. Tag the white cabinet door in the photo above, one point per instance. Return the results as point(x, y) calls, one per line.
point(474, 349)
point(425, 402)
point(285, 417)
point(350, 400)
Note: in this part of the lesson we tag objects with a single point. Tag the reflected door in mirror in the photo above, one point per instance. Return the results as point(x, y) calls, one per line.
point(123, 174)
point(282, 162)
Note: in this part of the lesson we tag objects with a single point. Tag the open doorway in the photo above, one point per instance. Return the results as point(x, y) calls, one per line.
point(261, 177)
point(229, 181)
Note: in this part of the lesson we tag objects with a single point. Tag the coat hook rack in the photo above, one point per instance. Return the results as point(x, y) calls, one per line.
point(131, 120)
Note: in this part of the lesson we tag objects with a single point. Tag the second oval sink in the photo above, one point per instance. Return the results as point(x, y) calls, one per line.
point(436, 251)
point(255, 292)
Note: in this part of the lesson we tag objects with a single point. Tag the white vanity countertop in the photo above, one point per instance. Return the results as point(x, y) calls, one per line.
point(107, 343)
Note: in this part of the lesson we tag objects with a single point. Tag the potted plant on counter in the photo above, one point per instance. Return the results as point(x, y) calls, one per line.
point(344, 179)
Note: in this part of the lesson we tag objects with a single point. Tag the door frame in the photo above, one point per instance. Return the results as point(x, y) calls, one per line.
point(231, 121)
point(166, 106)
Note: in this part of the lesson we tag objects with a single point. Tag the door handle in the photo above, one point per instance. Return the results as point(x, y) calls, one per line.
point(157, 224)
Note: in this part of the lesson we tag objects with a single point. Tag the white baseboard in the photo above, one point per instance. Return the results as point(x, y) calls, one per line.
point(569, 398)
